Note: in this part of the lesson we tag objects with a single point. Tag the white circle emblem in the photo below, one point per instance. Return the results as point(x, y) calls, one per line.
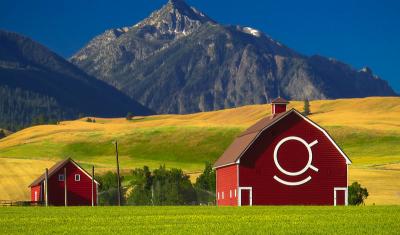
point(310, 156)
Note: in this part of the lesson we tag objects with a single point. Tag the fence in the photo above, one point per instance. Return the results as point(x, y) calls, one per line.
point(19, 203)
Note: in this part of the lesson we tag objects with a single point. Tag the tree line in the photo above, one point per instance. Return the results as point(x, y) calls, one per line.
point(20, 108)
point(159, 187)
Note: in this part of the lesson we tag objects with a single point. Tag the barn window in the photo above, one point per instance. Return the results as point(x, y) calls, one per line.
point(235, 192)
point(223, 195)
point(230, 193)
point(61, 177)
point(77, 177)
point(218, 195)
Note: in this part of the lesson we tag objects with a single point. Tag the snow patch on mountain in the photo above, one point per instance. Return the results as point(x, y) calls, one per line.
point(252, 31)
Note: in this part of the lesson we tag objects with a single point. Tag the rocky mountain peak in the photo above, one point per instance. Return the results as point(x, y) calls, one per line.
point(175, 18)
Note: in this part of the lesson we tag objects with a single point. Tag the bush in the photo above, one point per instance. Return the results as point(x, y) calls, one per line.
point(357, 194)
point(129, 116)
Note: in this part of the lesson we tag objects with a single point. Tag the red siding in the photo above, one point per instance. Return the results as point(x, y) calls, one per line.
point(78, 192)
point(226, 185)
point(257, 166)
point(37, 190)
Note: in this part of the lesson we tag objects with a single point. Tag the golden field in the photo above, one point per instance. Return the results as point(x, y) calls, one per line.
point(367, 129)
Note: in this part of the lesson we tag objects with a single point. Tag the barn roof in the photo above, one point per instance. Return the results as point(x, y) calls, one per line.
point(57, 167)
point(244, 140)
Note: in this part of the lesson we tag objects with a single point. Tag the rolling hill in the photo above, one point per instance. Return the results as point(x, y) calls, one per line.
point(37, 83)
point(367, 129)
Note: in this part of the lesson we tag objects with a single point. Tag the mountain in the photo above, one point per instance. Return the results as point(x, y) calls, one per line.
point(36, 83)
point(178, 60)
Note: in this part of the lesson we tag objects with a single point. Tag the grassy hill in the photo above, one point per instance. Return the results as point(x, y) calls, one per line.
point(367, 129)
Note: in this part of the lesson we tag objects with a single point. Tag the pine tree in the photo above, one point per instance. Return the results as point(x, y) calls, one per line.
point(307, 110)
point(2, 134)
point(129, 116)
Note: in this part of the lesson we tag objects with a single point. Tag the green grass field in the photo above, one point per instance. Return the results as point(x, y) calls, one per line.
point(201, 220)
point(367, 129)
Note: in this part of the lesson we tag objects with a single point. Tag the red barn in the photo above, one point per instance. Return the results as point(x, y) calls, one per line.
point(284, 159)
point(78, 182)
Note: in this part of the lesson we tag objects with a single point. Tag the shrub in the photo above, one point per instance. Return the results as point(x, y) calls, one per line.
point(357, 194)
point(129, 116)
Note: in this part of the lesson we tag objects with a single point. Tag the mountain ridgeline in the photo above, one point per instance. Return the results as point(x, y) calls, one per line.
point(178, 60)
point(38, 86)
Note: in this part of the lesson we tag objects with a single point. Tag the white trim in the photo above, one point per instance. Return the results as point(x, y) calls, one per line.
point(310, 156)
point(36, 197)
point(238, 185)
point(217, 195)
point(250, 195)
point(80, 168)
point(61, 178)
point(348, 161)
point(229, 164)
point(235, 193)
point(230, 193)
point(346, 195)
point(292, 183)
point(77, 179)
point(223, 195)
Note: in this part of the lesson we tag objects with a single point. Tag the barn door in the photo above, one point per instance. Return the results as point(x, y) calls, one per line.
point(245, 196)
point(340, 196)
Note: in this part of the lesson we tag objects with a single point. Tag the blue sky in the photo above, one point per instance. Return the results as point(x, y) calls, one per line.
point(360, 33)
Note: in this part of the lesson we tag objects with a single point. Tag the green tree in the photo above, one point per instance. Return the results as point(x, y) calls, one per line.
point(129, 116)
point(161, 187)
point(108, 189)
point(141, 183)
point(306, 107)
point(2, 134)
point(205, 185)
point(357, 194)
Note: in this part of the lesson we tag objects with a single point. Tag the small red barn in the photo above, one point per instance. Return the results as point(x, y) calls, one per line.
point(284, 159)
point(78, 182)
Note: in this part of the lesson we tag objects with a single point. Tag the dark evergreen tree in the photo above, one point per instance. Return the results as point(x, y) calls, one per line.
point(306, 108)
point(2, 134)
point(129, 116)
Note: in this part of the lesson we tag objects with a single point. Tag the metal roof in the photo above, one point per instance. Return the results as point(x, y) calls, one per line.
point(57, 167)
